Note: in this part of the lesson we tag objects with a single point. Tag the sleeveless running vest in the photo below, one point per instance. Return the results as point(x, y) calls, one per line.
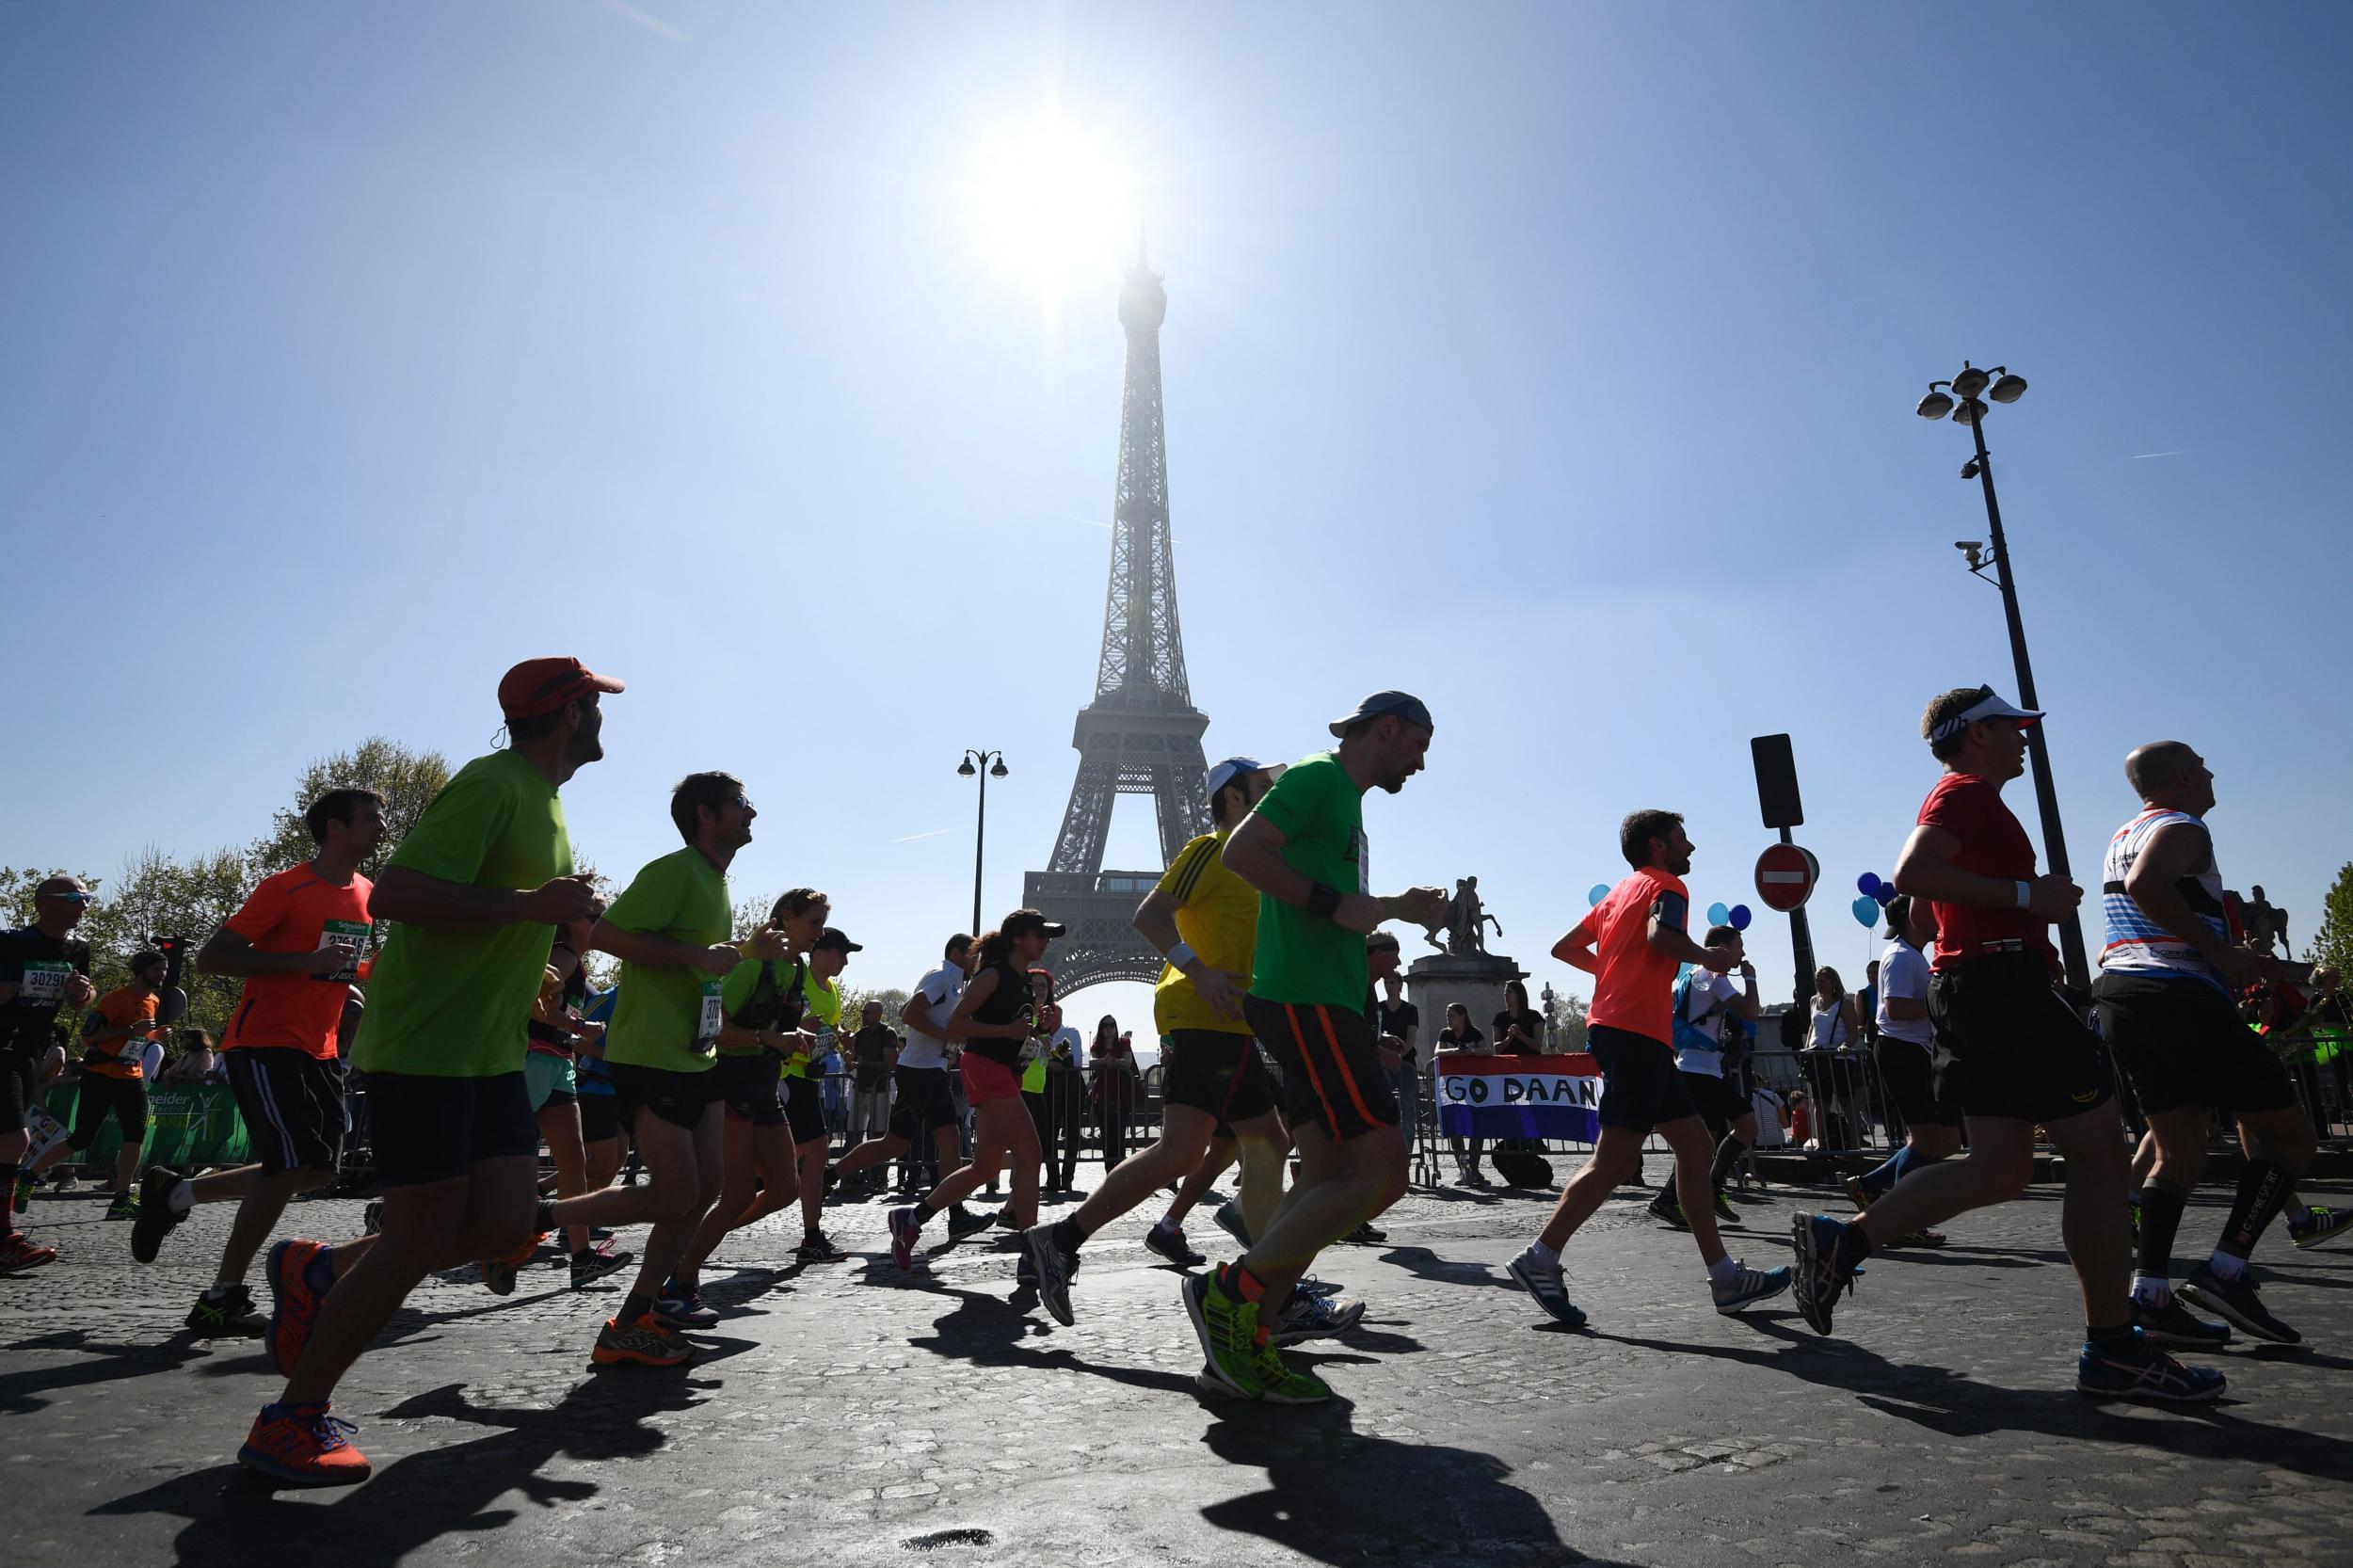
point(1010, 1001)
point(2139, 945)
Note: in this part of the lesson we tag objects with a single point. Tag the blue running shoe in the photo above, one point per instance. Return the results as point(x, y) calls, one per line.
point(1825, 1268)
point(2145, 1372)
point(1546, 1282)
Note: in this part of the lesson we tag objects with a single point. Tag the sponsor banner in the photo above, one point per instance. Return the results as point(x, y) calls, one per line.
point(1519, 1096)
point(186, 1125)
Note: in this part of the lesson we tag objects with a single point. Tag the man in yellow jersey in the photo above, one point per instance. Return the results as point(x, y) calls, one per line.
point(1204, 920)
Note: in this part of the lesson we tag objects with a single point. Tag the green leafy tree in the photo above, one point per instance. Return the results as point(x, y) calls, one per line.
point(407, 779)
point(16, 890)
point(2333, 944)
point(153, 895)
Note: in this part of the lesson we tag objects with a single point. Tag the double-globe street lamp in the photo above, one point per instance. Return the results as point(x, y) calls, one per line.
point(1963, 400)
point(970, 768)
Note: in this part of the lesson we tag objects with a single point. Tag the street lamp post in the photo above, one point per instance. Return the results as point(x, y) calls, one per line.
point(1962, 402)
point(974, 761)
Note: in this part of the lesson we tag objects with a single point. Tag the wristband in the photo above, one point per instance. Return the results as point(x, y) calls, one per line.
point(1323, 899)
point(1181, 954)
point(2025, 894)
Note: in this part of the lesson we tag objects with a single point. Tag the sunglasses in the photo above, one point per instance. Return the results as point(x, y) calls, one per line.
point(70, 897)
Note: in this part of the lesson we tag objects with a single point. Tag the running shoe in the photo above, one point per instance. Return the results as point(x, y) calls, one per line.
point(1310, 1286)
point(1003, 1217)
point(1666, 1211)
point(1169, 1241)
point(2235, 1301)
point(1229, 1220)
point(1048, 1272)
point(1229, 1331)
point(303, 1445)
point(1858, 1195)
point(1548, 1284)
point(125, 1207)
point(2172, 1323)
point(1825, 1266)
point(1280, 1383)
point(2322, 1224)
point(372, 1218)
point(155, 1216)
point(224, 1314)
point(679, 1308)
point(1476, 1180)
point(1921, 1237)
point(818, 1248)
point(293, 1304)
point(592, 1264)
point(1748, 1287)
point(19, 1256)
point(2145, 1372)
point(962, 1222)
point(647, 1342)
point(906, 1227)
point(1314, 1318)
point(1366, 1235)
point(1725, 1210)
point(499, 1272)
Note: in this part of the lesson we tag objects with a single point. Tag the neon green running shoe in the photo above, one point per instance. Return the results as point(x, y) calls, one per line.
point(1228, 1330)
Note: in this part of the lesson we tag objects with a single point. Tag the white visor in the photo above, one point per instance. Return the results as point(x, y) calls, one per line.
point(1987, 707)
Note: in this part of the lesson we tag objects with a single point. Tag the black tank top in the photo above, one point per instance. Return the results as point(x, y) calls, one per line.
point(1010, 1002)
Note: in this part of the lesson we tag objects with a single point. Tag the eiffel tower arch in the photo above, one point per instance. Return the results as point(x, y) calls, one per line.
point(1141, 734)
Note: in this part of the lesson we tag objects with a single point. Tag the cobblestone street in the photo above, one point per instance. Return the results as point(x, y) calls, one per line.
point(854, 1415)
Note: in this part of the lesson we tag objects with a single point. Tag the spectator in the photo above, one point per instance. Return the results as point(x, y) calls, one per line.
point(1114, 1086)
point(1772, 1118)
point(197, 1062)
point(874, 1055)
point(1867, 1003)
point(1398, 1020)
point(1460, 1036)
point(1519, 1029)
point(1833, 1030)
point(1800, 1119)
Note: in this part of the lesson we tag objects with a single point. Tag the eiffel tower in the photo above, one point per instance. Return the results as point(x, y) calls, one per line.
point(1142, 734)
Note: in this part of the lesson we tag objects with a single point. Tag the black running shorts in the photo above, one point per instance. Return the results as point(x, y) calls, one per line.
point(922, 1107)
point(1908, 1070)
point(17, 1070)
point(2181, 1043)
point(599, 1118)
point(1329, 1062)
point(1218, 1072)
point(678, 1099)
point(805, 1108)
point(1718, 1099)
point(123, 1099)
point(748, 1085)
point(2009, 1046)
point(1640, 1084)
point(424, 1129)
point(293, 1105)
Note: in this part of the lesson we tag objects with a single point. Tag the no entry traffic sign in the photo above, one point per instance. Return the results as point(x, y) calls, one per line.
point(1785, 876)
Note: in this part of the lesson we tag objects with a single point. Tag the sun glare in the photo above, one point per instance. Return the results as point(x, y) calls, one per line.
point(1052, 204)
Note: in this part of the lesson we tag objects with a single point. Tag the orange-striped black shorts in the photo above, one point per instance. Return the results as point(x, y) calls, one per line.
point(1330, 1063)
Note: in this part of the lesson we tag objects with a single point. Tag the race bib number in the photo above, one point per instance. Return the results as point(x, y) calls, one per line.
point(45, 983)
point(1363, 862)
point(352, 937)
point(707, 1026)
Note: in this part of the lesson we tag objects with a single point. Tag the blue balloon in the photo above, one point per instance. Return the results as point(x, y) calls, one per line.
point(1887, 894)
point(1595, 894)
point(1739, 918)
point(1718, 914)
point(1866, 912)
point(1867, 883)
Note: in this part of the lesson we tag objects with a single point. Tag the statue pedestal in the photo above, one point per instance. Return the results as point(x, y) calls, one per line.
point(1439, 980)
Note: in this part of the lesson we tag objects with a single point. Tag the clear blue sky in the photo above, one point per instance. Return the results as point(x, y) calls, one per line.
point(1555, 363)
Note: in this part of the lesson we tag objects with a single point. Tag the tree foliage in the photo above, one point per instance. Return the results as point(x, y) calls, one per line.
point(407, 779)
point(2333, 944)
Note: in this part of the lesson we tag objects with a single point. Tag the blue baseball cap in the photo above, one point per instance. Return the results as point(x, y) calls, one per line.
point(1403, 704)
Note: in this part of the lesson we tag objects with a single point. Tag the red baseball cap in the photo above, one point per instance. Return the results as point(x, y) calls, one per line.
point(543, 685)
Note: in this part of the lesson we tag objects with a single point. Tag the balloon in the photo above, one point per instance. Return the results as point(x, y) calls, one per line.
point(1866, 912)
point(1739, 918)
point(1867, 883)
point(1887, 894)
point(1718, 914)
point(1595, 894)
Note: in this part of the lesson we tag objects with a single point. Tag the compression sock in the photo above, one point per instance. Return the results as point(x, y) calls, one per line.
point(2161, 1206)
point(2262, 1187)
point(1880, 1177)
point(1728, 1155)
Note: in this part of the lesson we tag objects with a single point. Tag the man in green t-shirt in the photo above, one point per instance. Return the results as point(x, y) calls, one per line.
point(474, 893)
point(670, 930)
point(1302, 848)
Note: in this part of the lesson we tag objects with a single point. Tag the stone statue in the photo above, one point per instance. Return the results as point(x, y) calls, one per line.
point(1466, 921)
point(2265, 924)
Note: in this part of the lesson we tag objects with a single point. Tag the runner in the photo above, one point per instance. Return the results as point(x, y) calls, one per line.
point(804, 1106)
point(2164, 1003)
point(1631, 943)
point(1302, 848)
point(1202, 919)
point(873, 1052)
point(552, 1067)
point(475, 892)
point(296, 942)
point(1703, 1001)
point(43, 966)
point(115, 1038)
point(1167, 1235)
point(923, 1106)
point(2010, 1053)
point(1906, 1053)
point(994, 1017)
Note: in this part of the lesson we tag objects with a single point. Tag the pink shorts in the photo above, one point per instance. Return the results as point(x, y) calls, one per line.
point(985, 1080)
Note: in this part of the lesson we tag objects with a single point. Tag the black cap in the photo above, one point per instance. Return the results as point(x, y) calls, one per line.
point(832, 937)
point(1022, 921)
point(1403, 704)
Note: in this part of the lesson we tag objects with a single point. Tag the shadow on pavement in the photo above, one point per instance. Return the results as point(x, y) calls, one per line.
point(987, 1331)
point(1335, 1495)
point(1424, 1264)
point(235, 1517)
point(104, 1362)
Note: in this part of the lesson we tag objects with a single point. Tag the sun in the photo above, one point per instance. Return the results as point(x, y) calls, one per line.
point(1050, 204)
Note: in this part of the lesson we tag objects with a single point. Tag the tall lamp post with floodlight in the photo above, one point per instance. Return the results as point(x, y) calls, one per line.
point(970, 768)
point(1963, 399)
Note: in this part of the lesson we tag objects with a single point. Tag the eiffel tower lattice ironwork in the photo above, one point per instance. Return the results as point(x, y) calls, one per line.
point(1142, 734)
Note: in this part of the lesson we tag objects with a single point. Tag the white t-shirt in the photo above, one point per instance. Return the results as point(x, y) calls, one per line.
point(1704, 1009)
point(943, 987)
point(1828, 1026)
point(1904, 973)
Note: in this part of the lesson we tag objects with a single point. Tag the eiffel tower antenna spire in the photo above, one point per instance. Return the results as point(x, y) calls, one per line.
point(1141, 734)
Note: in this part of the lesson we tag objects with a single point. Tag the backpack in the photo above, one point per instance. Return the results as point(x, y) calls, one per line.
point(1688, 1035)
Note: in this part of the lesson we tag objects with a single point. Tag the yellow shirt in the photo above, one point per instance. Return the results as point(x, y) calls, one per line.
point(1217, 916)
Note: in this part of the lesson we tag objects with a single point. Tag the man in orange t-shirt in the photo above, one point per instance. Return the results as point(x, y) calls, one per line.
point(114, 1039)
point(298, 941)
point(1631, 943)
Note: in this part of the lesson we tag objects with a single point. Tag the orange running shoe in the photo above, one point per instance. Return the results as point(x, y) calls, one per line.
point(18, 1253)
point(303, 1445)
point(293, 1304)
point(643, 1343)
